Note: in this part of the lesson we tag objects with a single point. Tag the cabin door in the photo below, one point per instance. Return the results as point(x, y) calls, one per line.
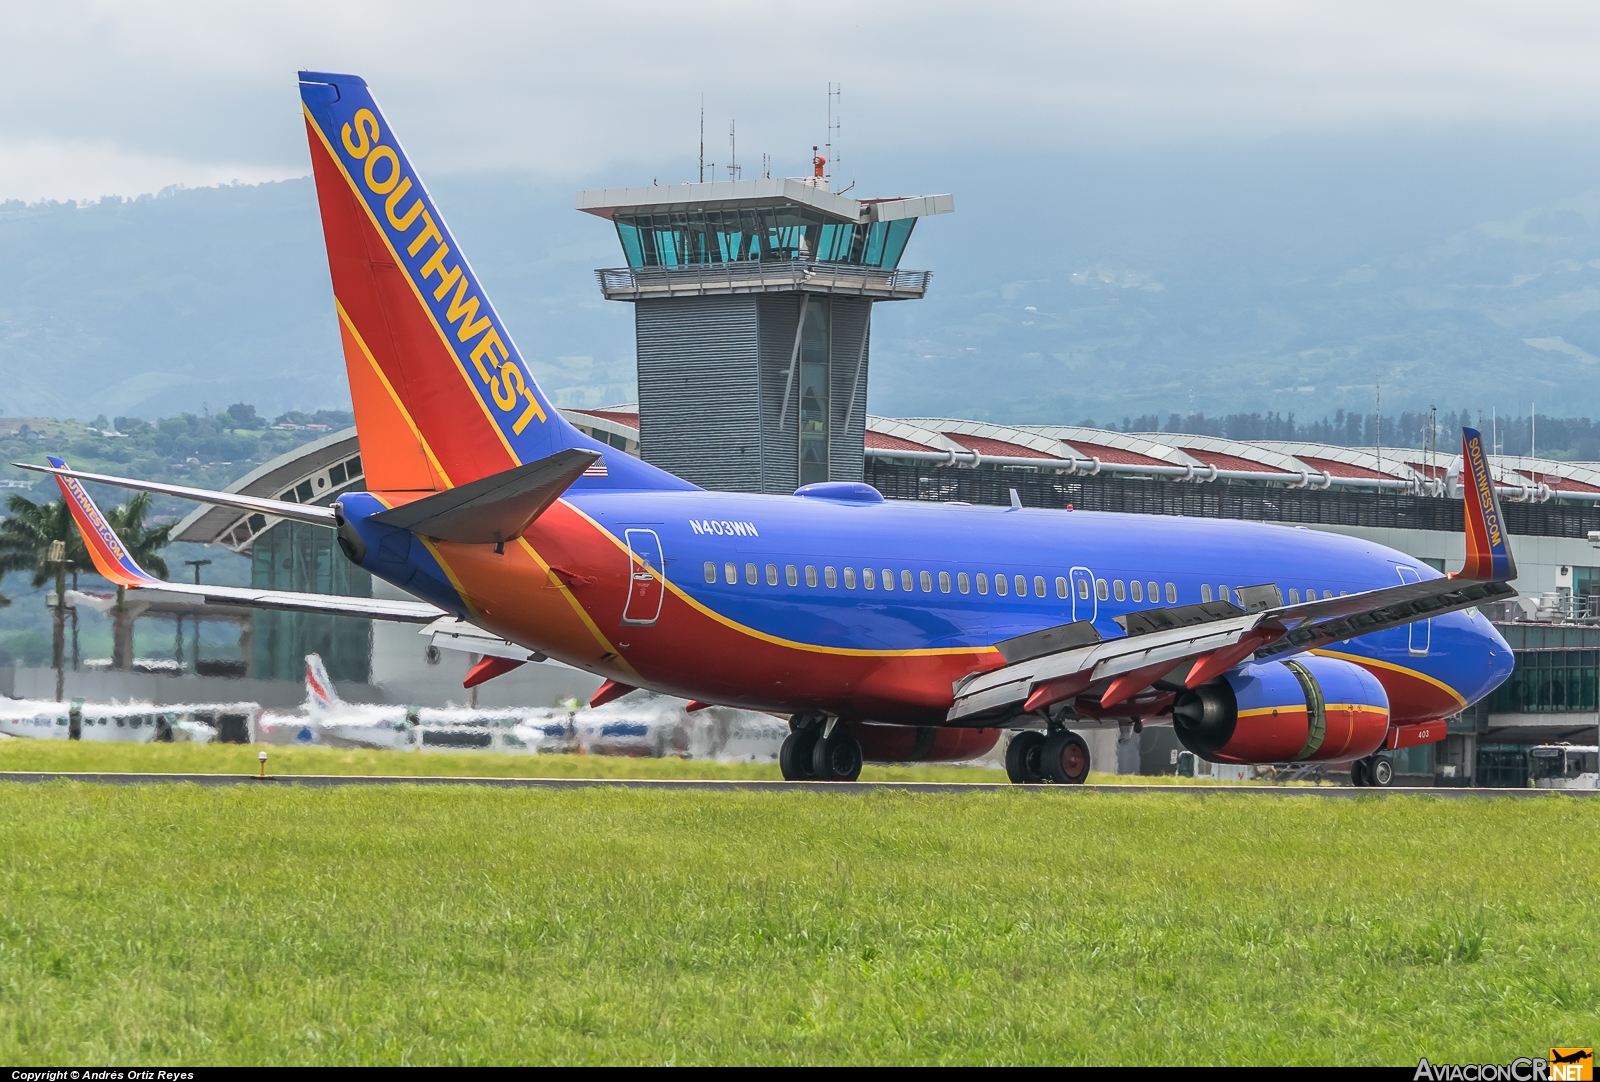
point(1084, 602)
point(646, 573)
point(1421, 631)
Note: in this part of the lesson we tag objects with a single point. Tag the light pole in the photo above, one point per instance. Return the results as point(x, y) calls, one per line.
point(57, 554)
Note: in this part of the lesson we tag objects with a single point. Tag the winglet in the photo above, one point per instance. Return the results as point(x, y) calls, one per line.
point(106, 549)
point(1488, 550)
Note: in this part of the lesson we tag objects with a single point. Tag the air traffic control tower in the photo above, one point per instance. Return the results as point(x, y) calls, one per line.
point(753, 309)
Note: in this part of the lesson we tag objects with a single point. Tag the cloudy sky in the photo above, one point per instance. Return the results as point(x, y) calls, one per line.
point(127, 97)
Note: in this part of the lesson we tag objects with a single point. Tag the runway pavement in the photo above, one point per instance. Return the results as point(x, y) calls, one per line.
point(322, 781)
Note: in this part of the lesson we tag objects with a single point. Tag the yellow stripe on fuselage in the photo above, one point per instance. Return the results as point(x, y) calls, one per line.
point(762, 636)
point(1391, 666)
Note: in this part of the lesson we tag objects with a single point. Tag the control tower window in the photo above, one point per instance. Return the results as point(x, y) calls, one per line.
point(814, 350)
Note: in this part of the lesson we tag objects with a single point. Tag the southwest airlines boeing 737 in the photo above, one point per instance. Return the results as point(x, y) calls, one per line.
point(889, 631)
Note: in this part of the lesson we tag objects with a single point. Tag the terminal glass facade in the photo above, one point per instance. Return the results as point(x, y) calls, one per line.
point(699, 236)
point(305, 558)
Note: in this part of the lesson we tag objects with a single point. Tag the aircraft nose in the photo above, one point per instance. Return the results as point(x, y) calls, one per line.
point(1501, 661)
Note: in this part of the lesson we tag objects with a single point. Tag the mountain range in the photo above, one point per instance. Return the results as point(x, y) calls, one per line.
point(1458, 269)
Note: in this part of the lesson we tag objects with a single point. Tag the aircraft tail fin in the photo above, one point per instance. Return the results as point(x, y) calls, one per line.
point(442, 395)
point(110, 556)
point(1488, 548)
point(320, 694)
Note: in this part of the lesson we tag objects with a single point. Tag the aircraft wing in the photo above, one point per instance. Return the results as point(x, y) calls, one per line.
point(113, 561)
point(315, 514)
point(1168, 649)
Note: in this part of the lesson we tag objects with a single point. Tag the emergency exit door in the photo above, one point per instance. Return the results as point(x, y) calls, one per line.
point(1084, 602)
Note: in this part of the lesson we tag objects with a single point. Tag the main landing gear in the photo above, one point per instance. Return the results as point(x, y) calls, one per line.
point(815, 750)
point(1375, 770)
point(1060, 756)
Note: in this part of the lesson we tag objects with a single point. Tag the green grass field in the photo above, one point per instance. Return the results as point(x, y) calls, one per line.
point(241, 759)
point(172, 925)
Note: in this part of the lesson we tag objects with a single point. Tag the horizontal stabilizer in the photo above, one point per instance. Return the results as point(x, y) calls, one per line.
point(300, 512)
point(493, 509)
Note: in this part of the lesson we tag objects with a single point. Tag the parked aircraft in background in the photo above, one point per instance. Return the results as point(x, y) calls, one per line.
point(885, 631)
point(130, 723)
point(648, 727)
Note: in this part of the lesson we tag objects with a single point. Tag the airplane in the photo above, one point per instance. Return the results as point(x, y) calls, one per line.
point(884, 631)
point(628, 728)
point(130, 723)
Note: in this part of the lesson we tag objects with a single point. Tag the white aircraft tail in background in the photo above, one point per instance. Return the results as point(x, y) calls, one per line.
point(320, 694)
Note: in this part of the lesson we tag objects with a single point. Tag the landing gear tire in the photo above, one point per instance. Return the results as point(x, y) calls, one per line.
point(1023, 764)
point(1380, 771)
point(838, 758)
point(1064, 758)
point(1359, 773)
point(794, 757)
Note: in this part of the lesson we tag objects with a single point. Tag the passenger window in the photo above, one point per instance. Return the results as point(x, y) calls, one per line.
point(849, 578)
point(772, 574)
point(1172, 593)
point(1327, 595)
point(1343, 593)
point(831, 577)
point(731, 573)
point(811, 575)
point(1061, 586)
point(868, 579)
point(1222, 592)
point(751, 575)
point(905, 581)
point(944, 582)
point(888, 579)
point(1155, 593)
point(963, 583)
point(1001, 586)
point(1038, 586)
point(1119, 591)
point(1083, 589)
point(711, 571)
point(927, 582)
point(1294, 597)
point(1022, 586)
point(1101, 591)
point(983, 583)
point(1136, 590)
point(1205, 591)
point(791, 576)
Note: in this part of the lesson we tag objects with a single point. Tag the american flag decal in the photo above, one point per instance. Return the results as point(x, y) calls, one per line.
point(597, 468)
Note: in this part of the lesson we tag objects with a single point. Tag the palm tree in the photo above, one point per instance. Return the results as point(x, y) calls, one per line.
point(27, 538)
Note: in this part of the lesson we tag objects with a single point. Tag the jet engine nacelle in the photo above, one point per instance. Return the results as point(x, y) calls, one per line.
point(919, 743)
point(1305, 708)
